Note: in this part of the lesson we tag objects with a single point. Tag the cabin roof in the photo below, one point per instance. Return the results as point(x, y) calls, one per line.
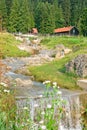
point(64, 29)
point(34, 30)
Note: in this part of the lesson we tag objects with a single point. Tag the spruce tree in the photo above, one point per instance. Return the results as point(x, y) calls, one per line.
point(59, 19)
point(65, 5)
point(84, 22)
point(26, 20)
point(14, 16)
point(3, 15)
point(44, 17)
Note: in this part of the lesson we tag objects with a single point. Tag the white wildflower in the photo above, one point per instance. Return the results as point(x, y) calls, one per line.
point(58, 87)
point(54, 86)
point(40, 96)
point(43, 127)
point(43, 82)
point(6, 91)
point(49, 106)
point(41, 122)
point(59, 92)
point(67, 114)
point(42, 113)
point(54, 83)
point(36, 105)
point(28, 120)
point(46, 82)
point(25, 108)
point(3, 84)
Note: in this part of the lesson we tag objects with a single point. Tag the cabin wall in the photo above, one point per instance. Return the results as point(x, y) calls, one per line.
point(62, 33)
point(74, 32)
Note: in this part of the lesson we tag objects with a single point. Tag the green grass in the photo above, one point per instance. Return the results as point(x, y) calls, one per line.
point(8, 46)
point(55, 71)
point(51, 42)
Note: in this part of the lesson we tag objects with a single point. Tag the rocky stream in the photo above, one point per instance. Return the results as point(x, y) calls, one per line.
point(26, 88)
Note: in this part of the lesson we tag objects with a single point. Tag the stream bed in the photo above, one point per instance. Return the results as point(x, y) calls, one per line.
point(72, 117)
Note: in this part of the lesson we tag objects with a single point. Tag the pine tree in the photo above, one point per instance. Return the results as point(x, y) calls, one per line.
point(65, 4)
point(44, 17)
point(59, 19)
point(8, 6)
point(14, 16)
point(3, 15)
point(26, 20)
point(84, 22)
point(21, 17)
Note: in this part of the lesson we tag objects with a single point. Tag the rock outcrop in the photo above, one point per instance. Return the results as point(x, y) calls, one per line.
point(78, 65)
point(61, 51)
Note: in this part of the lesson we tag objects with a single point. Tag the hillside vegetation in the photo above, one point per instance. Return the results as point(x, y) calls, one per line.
point(8, 46)
point(45, 15)
point(55, 71)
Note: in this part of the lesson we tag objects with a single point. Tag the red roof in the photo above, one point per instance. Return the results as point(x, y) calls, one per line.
point(64, 29)
point(34, 30)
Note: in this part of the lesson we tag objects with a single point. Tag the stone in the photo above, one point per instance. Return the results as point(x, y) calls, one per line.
point(67, 51)
point(82, 83)
point(23, 70)
point(61, 51)
point(50, 52)
point(23, 83)
point(78, 65)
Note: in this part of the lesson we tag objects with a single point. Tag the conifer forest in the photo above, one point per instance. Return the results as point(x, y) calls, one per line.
point(46, 15)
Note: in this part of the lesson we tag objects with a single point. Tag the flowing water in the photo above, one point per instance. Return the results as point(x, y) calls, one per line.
point(71, 119)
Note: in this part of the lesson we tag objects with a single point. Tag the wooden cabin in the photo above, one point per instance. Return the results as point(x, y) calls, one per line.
point(71, 30)
point(34, 31)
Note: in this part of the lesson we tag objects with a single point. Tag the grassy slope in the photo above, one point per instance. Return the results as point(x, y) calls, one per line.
point(55, 71)
point(8, 46)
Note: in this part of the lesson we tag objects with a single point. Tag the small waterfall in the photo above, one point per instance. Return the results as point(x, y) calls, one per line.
point(71, 119)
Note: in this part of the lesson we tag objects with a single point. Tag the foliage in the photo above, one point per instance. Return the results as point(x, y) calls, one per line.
point(3, 15)
point(56, 71)
point(8, 46)
point(20, 19)
point(51, 113)
point(84, 23)
point(47, 116)
point(44, 17)
point(17, 15)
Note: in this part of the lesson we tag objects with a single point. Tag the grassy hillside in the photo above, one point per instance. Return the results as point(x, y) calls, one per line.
point(8, 46)
point(55, 71)
point(68, 41)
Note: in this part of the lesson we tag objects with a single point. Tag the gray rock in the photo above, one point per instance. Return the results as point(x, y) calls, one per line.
point(78, 65)
point(23, 83)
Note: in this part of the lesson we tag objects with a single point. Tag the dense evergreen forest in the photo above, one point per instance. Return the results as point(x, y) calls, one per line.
point(45, 15)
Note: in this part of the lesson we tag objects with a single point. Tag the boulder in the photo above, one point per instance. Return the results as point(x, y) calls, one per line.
point(67, 50)
point(78, 65)
point(23, 70)
point(50, 52)
point(23, 83)
point(61, 51)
